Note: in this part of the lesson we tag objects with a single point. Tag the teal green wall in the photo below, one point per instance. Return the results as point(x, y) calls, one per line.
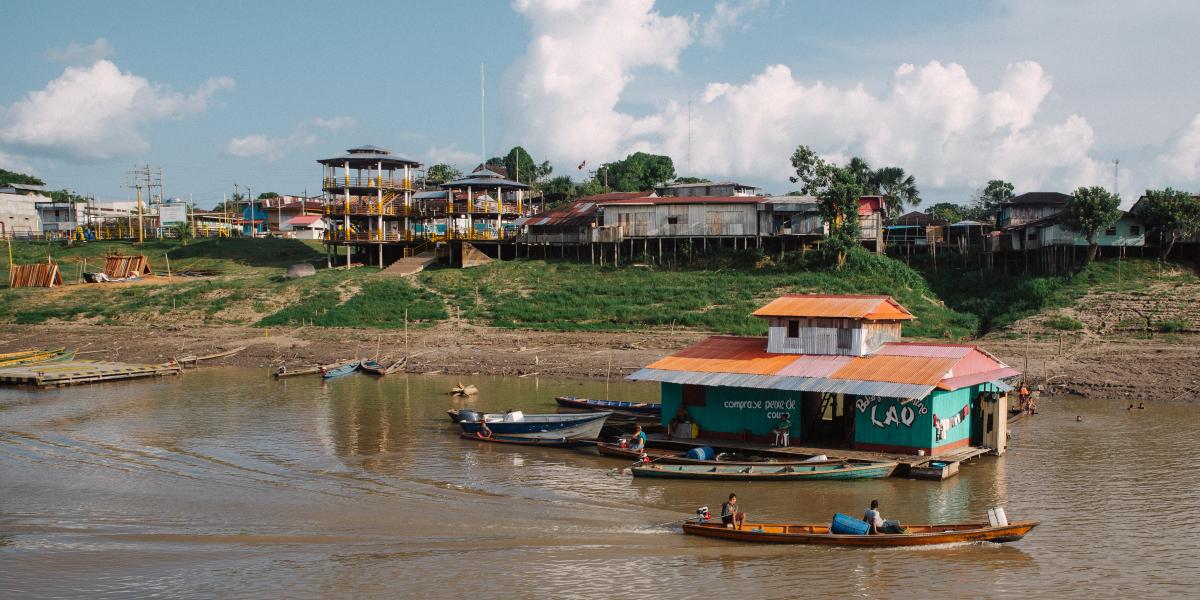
point(945, 404)
point(734, 410)
point(886, 421)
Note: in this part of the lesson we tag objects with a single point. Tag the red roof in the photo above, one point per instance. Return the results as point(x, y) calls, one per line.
point(844, 306)
point(303, 220)
point(947, 366)
point(869, 205)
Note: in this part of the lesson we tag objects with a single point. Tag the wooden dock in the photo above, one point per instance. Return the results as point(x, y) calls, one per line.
point(81, 371)
point(906, 461)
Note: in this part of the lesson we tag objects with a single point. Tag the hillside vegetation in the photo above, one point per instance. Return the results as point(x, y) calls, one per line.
point(714, 293)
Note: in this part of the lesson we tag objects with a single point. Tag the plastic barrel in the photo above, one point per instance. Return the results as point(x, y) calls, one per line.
point(702, 453)
point(847, 525)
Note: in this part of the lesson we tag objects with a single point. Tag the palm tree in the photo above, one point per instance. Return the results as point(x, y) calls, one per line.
point(863, 175)
point(897, 188)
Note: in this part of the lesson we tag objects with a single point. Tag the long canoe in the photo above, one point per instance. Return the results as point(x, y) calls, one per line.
point(35, 357)
point(875, 470)
point(516, 426)
point(375, 368)
point(666, 457)
point(918, 535)
point(640, 409)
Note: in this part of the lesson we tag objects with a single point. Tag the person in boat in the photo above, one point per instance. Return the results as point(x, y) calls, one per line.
point(730, 515)
point(484, 430)
point(873, 519)
point(637, 443)
point(783, 430)
point(681, 418)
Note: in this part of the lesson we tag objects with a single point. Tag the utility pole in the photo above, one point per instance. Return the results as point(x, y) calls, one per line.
point(482, 122)
point(1116, 176)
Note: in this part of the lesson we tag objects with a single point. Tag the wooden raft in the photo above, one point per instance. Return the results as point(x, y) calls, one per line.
point(81, 371)
point(35, 275)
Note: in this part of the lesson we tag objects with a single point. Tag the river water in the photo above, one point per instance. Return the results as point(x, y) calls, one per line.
point(224, 483)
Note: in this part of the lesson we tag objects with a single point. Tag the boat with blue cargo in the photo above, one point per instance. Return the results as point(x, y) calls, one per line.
point(337, 370)
point(516, 427)
point(768, 472)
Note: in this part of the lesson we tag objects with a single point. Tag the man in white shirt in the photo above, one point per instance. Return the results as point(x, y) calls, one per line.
point(873, 518)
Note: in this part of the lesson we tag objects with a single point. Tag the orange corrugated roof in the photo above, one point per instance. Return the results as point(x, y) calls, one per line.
point(921, 370)
point(726, 354)
point(872, 308)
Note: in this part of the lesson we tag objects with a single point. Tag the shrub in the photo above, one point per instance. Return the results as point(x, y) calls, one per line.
point(1064, 323)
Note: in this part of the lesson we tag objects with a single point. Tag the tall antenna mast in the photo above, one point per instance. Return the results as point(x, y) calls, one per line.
point(689, 147)
point(483, 123)
point(1116, 176)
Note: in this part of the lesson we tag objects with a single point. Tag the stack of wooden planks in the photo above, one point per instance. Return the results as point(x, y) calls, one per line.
point(119, 266)
point(35, 275)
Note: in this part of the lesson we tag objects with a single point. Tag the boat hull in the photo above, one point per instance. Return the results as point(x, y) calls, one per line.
point(922, 535)
point(638, 409)
point(542, 428)
point(675, 458)
point(768, 472)
point(340, 370)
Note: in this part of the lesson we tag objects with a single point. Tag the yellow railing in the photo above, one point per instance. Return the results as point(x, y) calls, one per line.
point(387, 183)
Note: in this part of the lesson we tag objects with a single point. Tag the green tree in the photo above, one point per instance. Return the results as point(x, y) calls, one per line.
point(897, 188)
point(811, 170)
point(1089, 210)
point(520, 166)
point(233, 205)
point(863, 175)
point(1175, 214)
point(560, 188)
point(989, 199)
point(7, 177)
point(692, 180)
point(441, 173)
point(637, 172)
point(946, 211)
point(267, 195)
point(839, 208)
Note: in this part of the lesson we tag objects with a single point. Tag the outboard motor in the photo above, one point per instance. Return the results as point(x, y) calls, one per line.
point(470, 416)
point(702, 514)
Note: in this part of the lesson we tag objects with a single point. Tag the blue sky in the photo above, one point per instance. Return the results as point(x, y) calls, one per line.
point(252, 93)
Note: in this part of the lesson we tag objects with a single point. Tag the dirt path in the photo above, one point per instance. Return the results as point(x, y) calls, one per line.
point(1120, 368)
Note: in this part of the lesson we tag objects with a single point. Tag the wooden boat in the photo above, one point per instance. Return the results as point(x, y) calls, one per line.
point(552, 429)
point(918, 535)
point(640, 409)
point(768, 472)
point(375, 368)
point(30, 357)
point(345, 368)
point(666, 457)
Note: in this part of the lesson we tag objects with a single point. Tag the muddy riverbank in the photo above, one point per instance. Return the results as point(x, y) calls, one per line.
point(1117, 368)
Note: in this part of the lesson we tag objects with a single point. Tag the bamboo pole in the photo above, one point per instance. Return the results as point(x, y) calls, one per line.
point(168, 259)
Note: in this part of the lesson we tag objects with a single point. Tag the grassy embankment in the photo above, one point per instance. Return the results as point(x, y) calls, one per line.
point(249, 290)
point(713, 294)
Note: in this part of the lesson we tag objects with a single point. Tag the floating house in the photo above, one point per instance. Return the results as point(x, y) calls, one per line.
point(836, 365)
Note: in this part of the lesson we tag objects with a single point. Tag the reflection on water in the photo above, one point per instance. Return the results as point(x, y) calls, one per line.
point(224, 482)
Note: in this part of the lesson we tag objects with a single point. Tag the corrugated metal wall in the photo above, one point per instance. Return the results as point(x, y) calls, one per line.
point(817, 336)
point(684, 220)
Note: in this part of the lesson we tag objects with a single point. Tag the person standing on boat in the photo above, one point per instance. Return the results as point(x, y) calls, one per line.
point(730, 515)
point(783, 430)
point(637, 443)
point(873, 518)
point(484, 430)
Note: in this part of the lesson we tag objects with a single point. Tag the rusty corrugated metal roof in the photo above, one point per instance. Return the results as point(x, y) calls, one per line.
point(923, 349)
point(727, 354)
point(798, 384)
point(874, 308)
point(897, 369)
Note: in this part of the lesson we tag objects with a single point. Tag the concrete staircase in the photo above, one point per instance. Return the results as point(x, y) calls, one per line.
point(409, 265)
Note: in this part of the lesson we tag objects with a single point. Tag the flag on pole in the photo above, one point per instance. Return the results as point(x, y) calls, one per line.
point(582, 165)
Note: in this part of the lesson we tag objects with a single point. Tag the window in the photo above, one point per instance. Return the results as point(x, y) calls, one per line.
point(1111, 231)
point(793, 328)
point(1032, 236)
point(694, 395)
point(672, 220)
point(845, 335)
point(1135, 230)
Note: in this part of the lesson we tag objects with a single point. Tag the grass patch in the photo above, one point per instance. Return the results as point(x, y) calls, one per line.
point(720, 297)
point(1064, 323)
point(1171, 326)
point(380, 304)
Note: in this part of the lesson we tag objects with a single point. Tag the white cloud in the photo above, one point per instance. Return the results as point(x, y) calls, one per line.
point(582, 56)
point(271, 149)
point(13, 162)
point(930, 119)
point(726, 16)
point(76, 54)
point(1182, 159)
point(451, 155)
point(98, 112)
